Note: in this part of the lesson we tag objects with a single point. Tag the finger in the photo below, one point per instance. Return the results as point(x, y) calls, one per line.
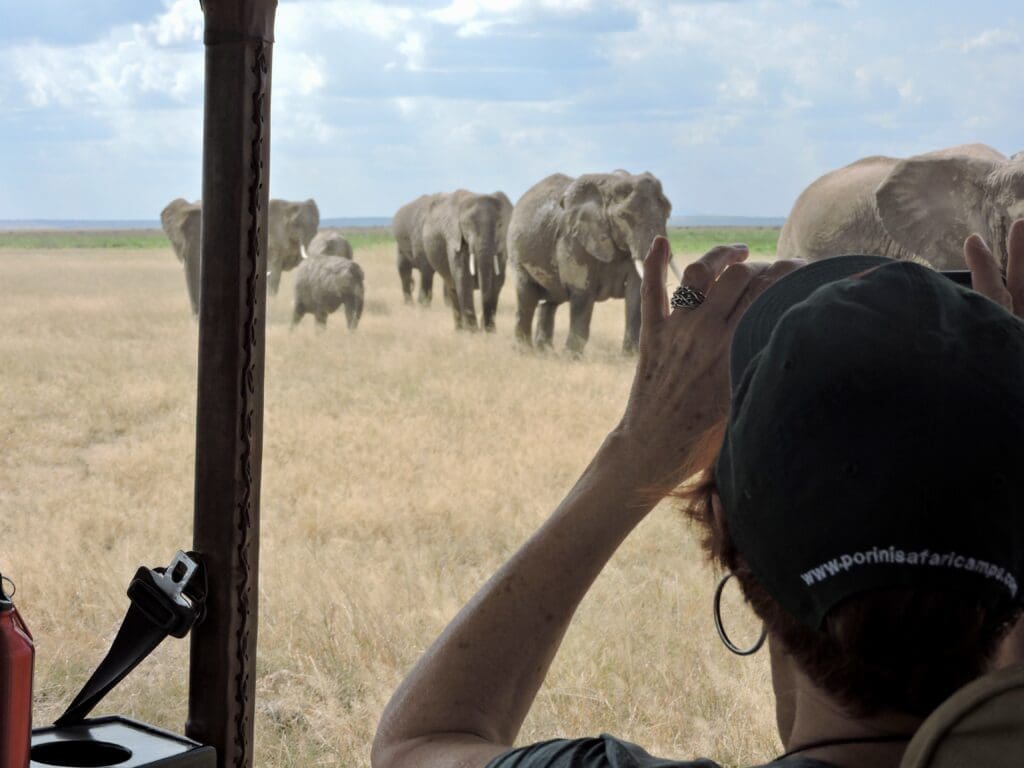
point(653, 296)
point(709, 267)
point(1015, 266)
point(762, 280)
point(985, 276)
point(730, 287)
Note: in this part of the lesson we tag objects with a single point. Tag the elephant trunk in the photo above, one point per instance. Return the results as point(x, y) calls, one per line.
point(640, 245)
point(484, 259)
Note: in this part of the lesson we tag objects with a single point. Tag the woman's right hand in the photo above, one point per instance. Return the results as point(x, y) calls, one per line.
point(681, 386)
point(986, 276)
point(987, 279)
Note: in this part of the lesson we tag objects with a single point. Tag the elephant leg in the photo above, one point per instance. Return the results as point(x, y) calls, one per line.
point(451, 298)
point(631, 339)
point(353, 310)
point(297, 314)
point(192, 281)
point(273, 281)
point(528, 293)
point(546, 325)
point(581, 309)
point(426, 286)
point(405, 275)
point(321, 319)
point(463, 279)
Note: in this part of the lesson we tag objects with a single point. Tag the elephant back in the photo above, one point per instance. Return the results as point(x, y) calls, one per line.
point(330, 244)
point(836, 213)
point(533, 225)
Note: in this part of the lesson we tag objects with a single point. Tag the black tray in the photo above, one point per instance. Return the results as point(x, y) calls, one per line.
point(116, 741)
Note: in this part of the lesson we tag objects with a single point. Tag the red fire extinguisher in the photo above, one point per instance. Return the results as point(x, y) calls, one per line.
point(17, 654)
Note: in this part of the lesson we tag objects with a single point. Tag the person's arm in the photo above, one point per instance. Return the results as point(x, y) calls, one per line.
point(466, 698)
point(987, 278)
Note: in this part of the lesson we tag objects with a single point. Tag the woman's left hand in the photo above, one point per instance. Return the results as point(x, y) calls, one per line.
point(681, 386)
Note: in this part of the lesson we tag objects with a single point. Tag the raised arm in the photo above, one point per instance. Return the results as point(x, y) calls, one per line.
point(988, 278)
point(465, 700)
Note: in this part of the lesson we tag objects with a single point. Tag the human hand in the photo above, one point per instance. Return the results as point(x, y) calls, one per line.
point(986, 277)
point(681, 386)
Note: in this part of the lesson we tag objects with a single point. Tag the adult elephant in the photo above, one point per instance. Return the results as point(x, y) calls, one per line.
point(291, 226)
point(921, 207)
point(463, 236)
point(181, 221)
point(407, 227)
point(582, 240)
point(290, 229)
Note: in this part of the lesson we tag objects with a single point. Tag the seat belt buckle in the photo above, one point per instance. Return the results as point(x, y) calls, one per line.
point(172, 598)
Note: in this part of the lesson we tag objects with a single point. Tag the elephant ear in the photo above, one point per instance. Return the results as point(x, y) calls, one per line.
point(449, 216)
point(505, 202)
point(929, 205)
point(180, 221)
point(586, 220)
point(305, 218)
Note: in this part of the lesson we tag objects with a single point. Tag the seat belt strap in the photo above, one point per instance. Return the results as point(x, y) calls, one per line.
point(164, 601)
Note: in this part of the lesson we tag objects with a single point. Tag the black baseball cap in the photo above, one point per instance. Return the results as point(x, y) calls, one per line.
point(875, 437)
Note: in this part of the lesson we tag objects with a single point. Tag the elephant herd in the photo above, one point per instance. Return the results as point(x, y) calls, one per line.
point(327, 277)
point(582, 240)
point(567, 240)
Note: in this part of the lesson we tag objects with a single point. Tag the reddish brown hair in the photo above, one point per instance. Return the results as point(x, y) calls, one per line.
point(902, 649)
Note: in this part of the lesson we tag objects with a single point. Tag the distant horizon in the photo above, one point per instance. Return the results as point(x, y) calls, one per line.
point(689, 220)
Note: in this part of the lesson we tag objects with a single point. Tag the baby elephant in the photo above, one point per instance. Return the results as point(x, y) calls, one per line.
point(328, 278)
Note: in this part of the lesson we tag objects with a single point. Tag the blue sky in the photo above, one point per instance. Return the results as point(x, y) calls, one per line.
point(736, 106)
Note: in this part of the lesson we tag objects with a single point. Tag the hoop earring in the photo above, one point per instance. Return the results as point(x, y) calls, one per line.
point(717, 611)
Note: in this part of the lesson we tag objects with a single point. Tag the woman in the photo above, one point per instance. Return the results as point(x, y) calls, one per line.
point(874, 425)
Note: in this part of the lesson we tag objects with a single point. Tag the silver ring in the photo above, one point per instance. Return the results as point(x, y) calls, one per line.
point(687, 297)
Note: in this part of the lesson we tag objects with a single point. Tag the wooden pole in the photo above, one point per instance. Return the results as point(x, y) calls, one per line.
point(229, 424)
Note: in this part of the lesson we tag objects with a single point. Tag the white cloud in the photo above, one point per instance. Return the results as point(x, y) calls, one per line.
point(475, 18)
point(706, 129)
point(130, 63)
point(991, 38)
point(413, 49)
point(182, 23)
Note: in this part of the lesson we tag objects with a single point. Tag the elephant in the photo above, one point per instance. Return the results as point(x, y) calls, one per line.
point(182, 222)
point(327, 279)
point(920, 208)
point(407, 226)
point(330, 244)
point(463, 235)
point(582, 240)
point(290, 229)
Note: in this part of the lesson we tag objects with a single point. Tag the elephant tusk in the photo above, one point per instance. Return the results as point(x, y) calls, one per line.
point(472, 264)
point(639, 267)
point(497, 266)
point(302, 252)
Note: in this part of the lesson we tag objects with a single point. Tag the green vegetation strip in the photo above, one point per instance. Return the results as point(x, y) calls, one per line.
point(50, 239)
point(761, 240)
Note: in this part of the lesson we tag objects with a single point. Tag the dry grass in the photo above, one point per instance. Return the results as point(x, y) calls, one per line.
point(402, 464)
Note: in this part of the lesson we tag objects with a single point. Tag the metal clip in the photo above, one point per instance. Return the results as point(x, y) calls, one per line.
point(176, 577)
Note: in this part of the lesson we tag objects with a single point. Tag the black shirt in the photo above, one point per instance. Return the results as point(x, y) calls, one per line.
point(608, 752)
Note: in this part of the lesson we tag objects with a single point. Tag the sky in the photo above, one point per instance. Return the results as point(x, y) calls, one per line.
point(736, 106)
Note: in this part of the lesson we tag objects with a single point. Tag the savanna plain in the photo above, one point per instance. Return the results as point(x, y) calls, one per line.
point(402, 464)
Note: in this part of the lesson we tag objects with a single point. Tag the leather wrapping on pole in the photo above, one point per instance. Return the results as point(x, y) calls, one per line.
point(229, 424)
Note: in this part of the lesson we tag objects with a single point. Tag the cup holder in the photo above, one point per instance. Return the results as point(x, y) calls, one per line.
point(80, 753)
